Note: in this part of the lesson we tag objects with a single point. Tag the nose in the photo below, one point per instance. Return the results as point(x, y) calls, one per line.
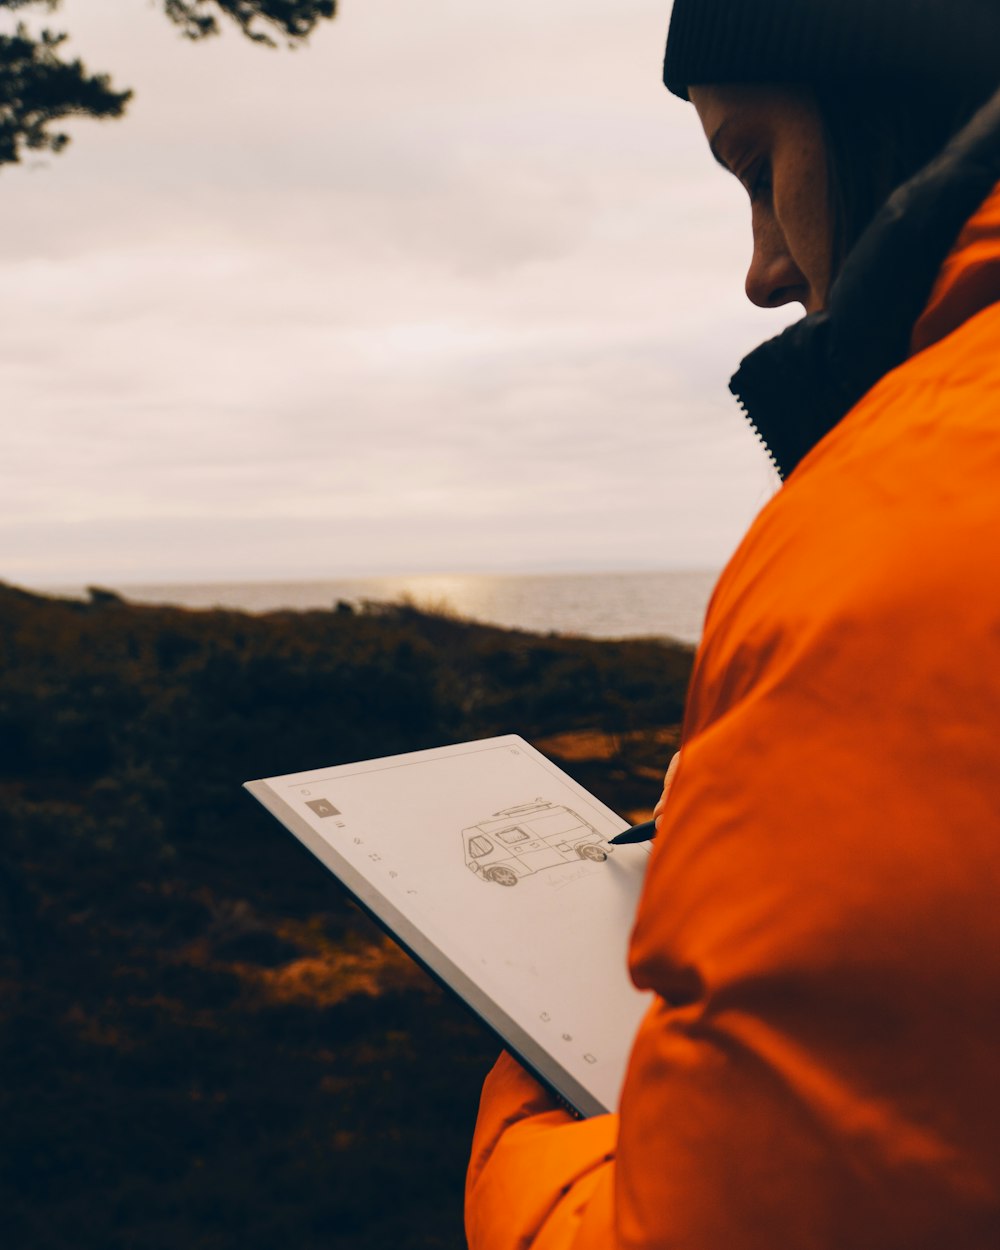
point(773, 278)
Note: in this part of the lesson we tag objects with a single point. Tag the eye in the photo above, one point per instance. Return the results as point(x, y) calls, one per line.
point(757, 180)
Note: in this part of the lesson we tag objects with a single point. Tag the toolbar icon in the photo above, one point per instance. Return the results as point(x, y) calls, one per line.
point(322, 807)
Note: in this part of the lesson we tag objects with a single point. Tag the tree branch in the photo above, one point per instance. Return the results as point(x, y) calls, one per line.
point(38, 88)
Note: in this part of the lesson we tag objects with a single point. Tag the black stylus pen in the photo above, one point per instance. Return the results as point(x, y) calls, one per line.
point(638, 833)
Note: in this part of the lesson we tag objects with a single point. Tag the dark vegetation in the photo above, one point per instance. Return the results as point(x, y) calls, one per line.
point(40, 86)
point(204, 1044)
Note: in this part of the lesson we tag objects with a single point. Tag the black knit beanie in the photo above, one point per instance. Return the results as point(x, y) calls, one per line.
point(930, 43)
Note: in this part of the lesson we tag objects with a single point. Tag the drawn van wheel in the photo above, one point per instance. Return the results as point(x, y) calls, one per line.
point(502, 876)
point(592, 852)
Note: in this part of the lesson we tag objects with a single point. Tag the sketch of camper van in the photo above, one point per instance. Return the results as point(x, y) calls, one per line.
point(522, 840)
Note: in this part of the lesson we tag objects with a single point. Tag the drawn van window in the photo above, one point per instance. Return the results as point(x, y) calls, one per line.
point(561, 821)
point(512, 835)
point(546, 834)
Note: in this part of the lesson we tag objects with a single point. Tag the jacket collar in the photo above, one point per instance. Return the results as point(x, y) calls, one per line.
point(969, 280)
point(904, 285)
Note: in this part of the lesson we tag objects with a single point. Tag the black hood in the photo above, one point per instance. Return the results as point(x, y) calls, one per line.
point(797, 386)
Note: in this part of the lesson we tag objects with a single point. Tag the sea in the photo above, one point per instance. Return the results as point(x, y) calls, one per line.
point(667, 603)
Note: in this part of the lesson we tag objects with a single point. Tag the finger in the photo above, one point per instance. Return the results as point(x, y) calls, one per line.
point(668, 781)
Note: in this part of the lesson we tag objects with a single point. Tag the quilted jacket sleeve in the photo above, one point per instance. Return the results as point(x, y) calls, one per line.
point(522, 1135)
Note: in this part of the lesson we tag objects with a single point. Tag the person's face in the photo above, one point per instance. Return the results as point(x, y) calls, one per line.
point(771, 139)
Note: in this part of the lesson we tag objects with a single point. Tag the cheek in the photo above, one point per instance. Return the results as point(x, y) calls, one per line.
point(808, 225)
point(803, 218)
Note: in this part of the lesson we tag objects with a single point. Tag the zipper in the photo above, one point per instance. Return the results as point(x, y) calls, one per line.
point(765, 446)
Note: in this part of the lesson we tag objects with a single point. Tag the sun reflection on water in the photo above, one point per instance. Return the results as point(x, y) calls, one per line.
point(602, 605)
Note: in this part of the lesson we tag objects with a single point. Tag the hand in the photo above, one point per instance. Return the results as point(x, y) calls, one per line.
point(668, 781)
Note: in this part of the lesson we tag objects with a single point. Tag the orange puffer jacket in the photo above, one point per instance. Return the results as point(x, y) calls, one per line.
point(821, 918)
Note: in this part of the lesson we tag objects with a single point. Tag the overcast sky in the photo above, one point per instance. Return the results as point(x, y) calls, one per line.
point(455, 287)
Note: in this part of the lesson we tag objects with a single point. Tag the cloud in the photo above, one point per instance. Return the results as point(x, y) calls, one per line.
point(455, 286)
